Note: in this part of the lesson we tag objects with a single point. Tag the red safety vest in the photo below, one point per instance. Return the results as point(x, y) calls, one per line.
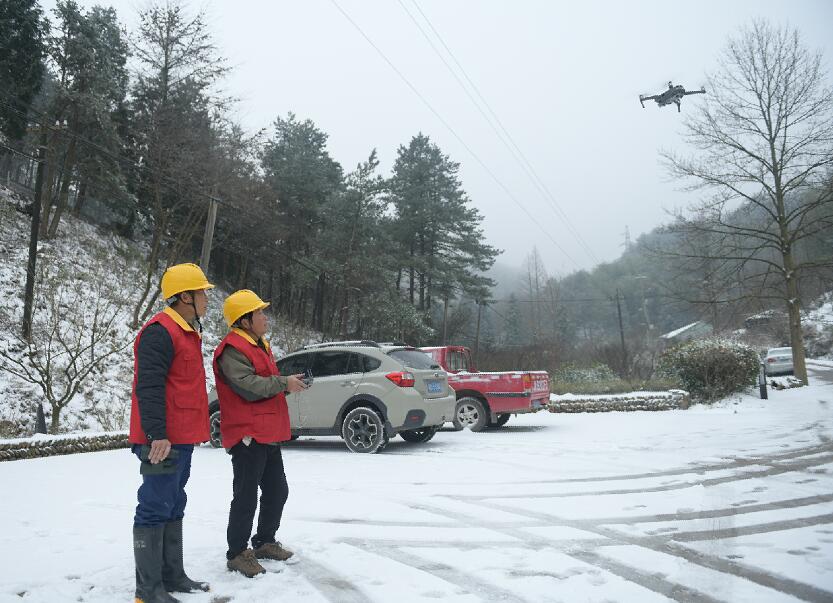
point(265, 420)
point(186, 400)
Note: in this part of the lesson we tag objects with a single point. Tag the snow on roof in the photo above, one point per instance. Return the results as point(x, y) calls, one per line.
point(673, 334)
point(766, 315)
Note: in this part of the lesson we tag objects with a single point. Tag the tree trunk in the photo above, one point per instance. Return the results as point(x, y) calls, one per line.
point(55, 419)
point(6, 166)
point(445, 318)
point(318, 303)
point(422, 273)
point(345, 313)
point(794, 313)
point(411, 277)
point(81, 198)
point(244, 268)
point(270, 285)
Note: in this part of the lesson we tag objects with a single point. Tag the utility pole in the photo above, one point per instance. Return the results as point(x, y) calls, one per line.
point(29, 291)
point(622, 335)
point(208, 237)
point(477, 332)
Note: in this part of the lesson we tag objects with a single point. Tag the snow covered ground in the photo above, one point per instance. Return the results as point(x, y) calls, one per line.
point(732, 502)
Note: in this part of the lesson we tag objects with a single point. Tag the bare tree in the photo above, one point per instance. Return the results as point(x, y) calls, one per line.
point(73, 338)
point(764, 138)
point(175, 114)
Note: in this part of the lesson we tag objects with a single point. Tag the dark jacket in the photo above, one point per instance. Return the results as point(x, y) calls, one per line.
point(154, 352)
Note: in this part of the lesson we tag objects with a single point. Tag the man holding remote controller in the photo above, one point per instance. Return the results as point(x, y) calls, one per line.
point(169, 414)
point(255, 419)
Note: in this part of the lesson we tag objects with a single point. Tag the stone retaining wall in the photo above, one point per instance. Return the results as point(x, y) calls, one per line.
point(29, 449)
point(626, 402)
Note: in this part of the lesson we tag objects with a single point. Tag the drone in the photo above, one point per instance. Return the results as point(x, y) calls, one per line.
point(674, 94)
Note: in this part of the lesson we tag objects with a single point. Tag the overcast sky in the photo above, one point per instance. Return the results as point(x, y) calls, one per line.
point(562, 77)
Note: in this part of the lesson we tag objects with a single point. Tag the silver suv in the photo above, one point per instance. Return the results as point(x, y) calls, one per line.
point(365, 392)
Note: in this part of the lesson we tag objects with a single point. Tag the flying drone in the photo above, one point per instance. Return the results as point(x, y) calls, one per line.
point(674, 94)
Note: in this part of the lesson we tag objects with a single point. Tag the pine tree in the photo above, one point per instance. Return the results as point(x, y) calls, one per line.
point(438, 233)
point(302, 175)
point(89, 55)
point(23, 34)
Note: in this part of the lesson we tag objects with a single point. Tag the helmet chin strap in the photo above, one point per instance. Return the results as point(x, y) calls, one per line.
point(193, 304)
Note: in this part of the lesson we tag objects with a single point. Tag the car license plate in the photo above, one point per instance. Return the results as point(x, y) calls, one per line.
point(434, 387)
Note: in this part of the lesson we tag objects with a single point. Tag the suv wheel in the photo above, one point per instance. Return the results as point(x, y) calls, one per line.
point(363, 430)
point(419, 436)
point(471, 412)
point(214, 426)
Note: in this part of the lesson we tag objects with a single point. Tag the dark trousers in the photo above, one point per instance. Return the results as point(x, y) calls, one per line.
point(162, 498)
point(255, 465)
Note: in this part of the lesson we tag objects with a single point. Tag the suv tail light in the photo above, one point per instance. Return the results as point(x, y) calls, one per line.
point(770, 360)
point(401, 378)
point(527, 381)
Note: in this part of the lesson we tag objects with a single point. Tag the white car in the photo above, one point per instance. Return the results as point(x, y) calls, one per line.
point(779, 361)
point(364, 391)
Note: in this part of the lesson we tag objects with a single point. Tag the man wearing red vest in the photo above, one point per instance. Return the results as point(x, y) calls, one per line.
point(255, 419)
point(169, 415)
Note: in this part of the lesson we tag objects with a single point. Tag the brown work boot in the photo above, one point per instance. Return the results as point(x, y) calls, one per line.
point(246, 564)
point(273, 550)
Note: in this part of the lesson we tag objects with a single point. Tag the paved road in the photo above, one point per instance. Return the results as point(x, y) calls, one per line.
point(818, 371)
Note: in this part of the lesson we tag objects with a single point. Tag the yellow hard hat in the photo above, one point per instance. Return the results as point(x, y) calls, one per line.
point(183, 277)
point(241, 302)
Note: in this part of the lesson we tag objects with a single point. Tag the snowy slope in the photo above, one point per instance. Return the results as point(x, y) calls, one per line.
point(83, 258)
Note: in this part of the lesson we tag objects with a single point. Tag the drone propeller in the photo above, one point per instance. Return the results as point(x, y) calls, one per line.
point(664, 85)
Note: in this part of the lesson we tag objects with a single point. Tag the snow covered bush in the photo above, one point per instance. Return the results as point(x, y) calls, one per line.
point(569, 373)
point(711, 368)
point(600, 379)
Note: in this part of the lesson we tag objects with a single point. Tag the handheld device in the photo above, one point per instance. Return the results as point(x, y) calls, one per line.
point(163, 467)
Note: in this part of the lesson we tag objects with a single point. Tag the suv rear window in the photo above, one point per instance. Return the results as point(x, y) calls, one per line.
point(360, 363)
point(414, 359)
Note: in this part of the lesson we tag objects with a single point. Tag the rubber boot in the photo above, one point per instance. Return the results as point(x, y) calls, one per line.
point(173, 570)
point(147, 550)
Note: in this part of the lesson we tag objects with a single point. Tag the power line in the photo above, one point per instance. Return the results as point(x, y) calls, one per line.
point(16, 152)
point(496, 312)
point(516, 152)
point(453, 132)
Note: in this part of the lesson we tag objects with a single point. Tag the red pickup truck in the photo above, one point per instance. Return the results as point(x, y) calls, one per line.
point(488, 399)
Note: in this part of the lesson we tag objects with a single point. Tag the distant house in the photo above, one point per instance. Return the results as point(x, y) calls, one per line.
point(766, 321)
point(694, 330)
